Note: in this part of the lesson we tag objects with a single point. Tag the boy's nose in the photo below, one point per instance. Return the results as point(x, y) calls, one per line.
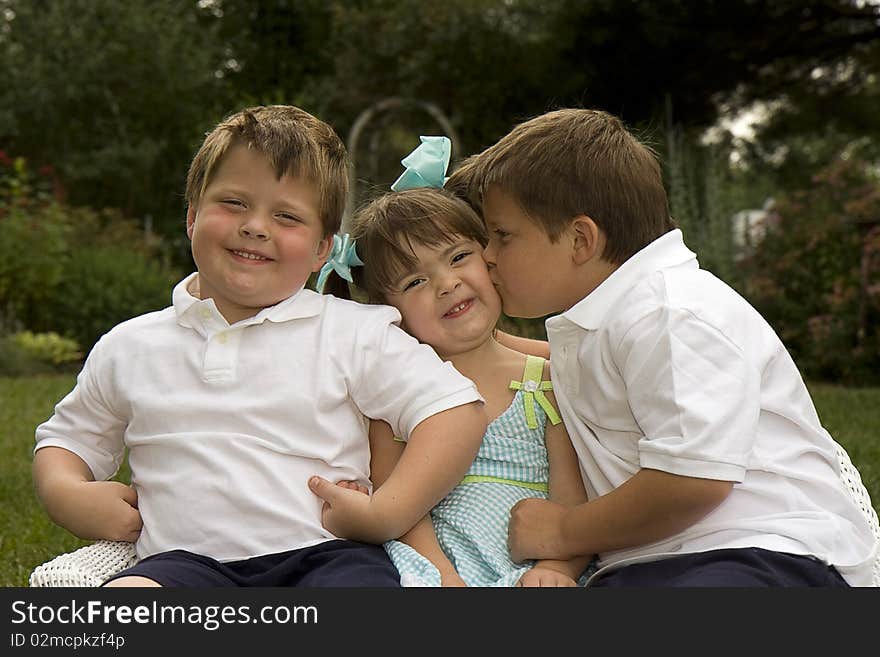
point(254, 228)
point(489, 255)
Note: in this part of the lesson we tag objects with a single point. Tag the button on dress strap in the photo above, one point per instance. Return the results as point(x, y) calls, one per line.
point(533, 391)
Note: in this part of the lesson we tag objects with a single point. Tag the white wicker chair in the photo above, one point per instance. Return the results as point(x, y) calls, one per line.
point(92, 564)
point(87, 566)
point(853, 481)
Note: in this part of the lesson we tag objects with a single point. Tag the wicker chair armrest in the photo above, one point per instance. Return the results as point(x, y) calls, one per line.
point(88, 566)
point(853, 482)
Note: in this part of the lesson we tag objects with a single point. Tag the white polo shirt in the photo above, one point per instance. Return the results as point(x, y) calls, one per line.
point(225, 424)
point(664, 366)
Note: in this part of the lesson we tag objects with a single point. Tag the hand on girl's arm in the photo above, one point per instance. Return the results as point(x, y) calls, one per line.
point(438, 454)
point(385, 452)
point(650, 506)
point(354, 485)
point(88, 509)
point(567, 489)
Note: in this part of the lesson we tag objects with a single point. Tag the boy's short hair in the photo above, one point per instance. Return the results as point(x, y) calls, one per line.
point(571, 162)
point(387, 227)
point(296, 143)
point(461, 183)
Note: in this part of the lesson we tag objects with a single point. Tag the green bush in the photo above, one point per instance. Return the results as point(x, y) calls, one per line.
point(21, 187)
point(49, 347)
point(101, 287)
point(71, 270)
point(27, 353)
point(806, 276)
point(31, 259)
point(526, 328)
point(16, 361)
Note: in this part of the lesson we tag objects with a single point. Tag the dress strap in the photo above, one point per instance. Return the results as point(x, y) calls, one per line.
point(533, 391)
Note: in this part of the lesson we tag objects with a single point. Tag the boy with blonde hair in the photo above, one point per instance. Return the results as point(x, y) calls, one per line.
point(230, 400)
point(701, 451)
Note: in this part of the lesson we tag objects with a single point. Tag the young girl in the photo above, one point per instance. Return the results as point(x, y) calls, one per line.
point(422, 253)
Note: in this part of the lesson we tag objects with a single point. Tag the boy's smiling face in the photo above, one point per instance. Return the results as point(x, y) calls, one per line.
point(532, 274)
point(255, 239)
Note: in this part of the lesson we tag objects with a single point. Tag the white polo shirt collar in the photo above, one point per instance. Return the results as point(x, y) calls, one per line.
point(203, 315)
point(666, 251)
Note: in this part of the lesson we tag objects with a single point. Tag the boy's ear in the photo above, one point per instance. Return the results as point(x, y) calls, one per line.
point(323, 252)
point(190, 221)
point(588, 240)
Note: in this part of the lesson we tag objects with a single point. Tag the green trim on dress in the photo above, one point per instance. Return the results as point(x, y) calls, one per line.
point(531, 485)
point(533, 390)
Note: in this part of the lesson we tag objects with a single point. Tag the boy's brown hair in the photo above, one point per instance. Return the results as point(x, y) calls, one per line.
point(574, 162)
point(296, 143)
point(387, 227)
point(461, 183)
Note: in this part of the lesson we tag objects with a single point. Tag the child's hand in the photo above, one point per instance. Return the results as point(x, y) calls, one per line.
point(346, 511)
point(104, 510)
point(545, 577)
point(535, 530)
point(354, 485)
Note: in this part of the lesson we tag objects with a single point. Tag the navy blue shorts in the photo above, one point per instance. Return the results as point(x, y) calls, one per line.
point(332, 563)
point(749, 567)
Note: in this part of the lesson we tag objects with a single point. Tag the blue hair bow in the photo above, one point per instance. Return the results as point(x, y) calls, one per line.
point(426, 165)
point(342, 258)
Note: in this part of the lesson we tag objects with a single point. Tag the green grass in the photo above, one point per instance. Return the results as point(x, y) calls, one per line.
point(28, 537)
point(852, 417)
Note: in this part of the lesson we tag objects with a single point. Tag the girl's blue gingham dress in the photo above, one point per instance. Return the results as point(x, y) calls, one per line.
point(471, 522)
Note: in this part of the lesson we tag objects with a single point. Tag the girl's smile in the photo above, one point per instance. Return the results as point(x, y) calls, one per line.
point(459, 309)
point(446, 299)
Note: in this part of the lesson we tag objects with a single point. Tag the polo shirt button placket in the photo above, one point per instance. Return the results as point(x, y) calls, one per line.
point(220, 352)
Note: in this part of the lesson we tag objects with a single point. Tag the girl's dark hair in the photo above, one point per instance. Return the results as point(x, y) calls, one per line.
point(337, 286)
point(386, 229)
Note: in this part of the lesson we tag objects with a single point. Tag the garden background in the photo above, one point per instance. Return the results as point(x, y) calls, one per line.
point(764, 115)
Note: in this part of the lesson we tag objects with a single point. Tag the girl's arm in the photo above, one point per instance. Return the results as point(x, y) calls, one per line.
point(566, 488)
point(524, 345)
point(385, 451)
point(439, 452)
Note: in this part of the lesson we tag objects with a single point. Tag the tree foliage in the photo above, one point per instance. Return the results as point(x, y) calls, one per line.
point(69, 270)
point(117, 95)
point(816, 275)
point(491, 63)
point(112, 94)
